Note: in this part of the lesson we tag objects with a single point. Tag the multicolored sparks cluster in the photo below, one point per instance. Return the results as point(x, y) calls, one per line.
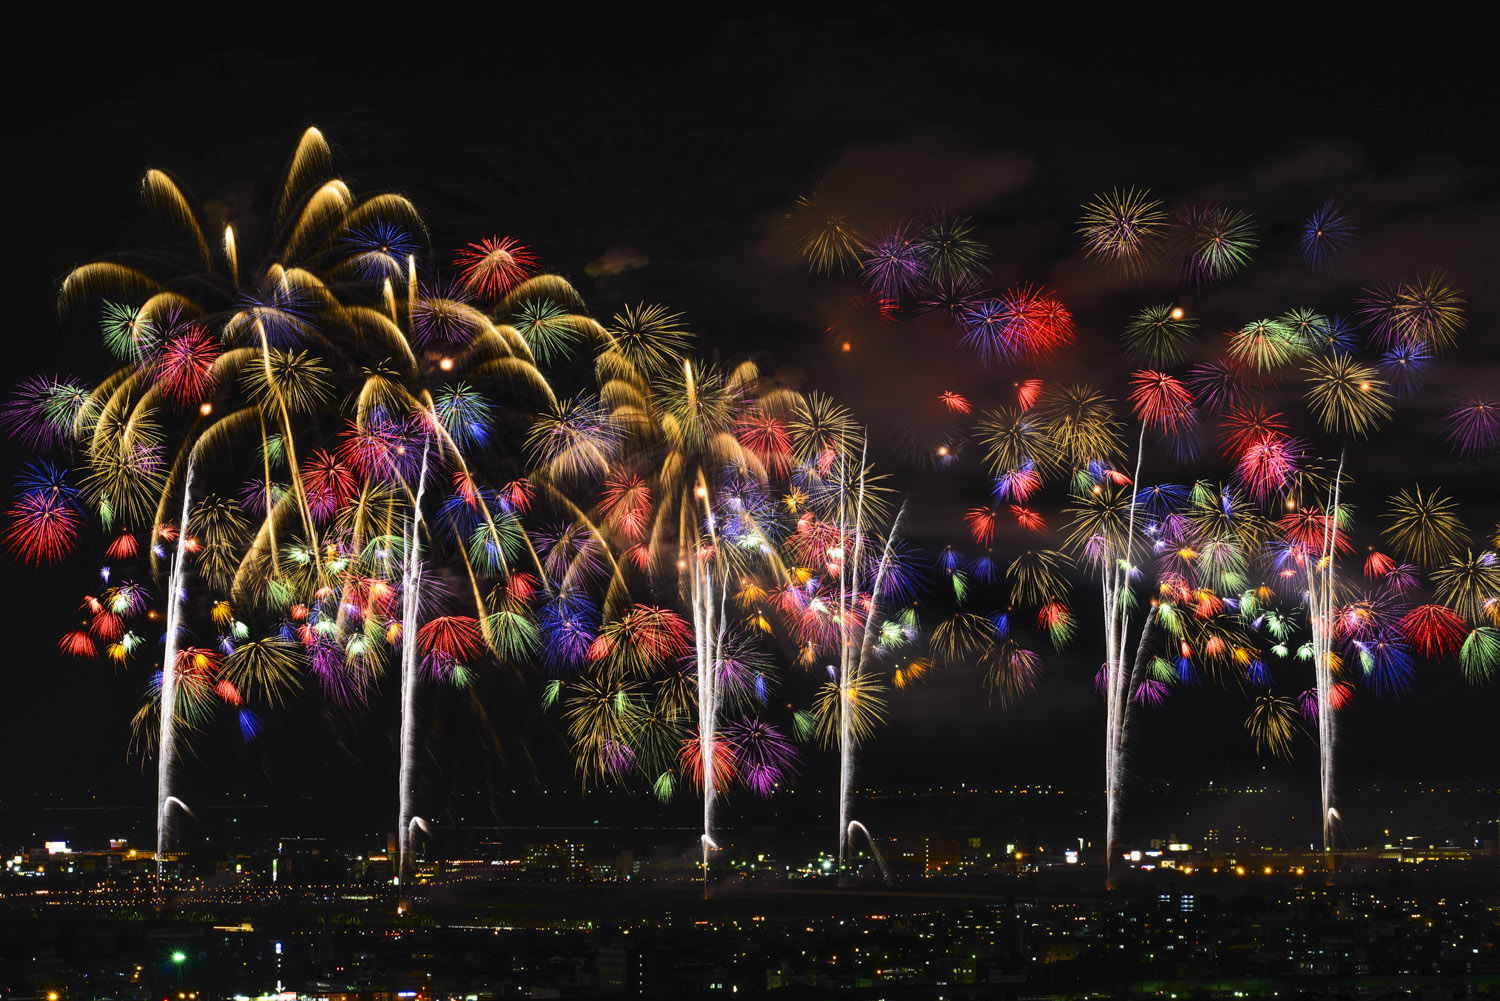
point(377, 480)
point(1224, 562)
point(326, 469)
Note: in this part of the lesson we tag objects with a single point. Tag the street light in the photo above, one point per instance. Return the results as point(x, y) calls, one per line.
point(178, 958)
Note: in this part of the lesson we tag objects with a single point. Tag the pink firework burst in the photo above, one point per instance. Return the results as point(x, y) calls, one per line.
point(1244, 427)
point(1269, 464)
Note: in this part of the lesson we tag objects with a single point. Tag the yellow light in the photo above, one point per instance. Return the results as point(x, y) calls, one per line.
point(206, 408)
point(846, 346)
point(942, 450)
point(446, 364)
point(1177, 313)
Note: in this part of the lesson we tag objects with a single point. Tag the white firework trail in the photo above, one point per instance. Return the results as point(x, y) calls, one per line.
point(166, 751)
point(852, 657)
point(1321, 603)
point(411, 578)
point(710, 623)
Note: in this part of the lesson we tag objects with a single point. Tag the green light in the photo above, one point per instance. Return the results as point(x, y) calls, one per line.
point(179, 957)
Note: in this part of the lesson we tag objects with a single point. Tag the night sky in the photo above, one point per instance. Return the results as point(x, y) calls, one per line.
point(678, 149)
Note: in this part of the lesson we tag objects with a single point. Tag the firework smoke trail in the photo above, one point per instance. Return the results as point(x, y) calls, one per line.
point(166, 752)
point(410, 584)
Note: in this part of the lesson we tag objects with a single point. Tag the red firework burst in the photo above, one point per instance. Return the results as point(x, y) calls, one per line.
point(42, 527)
point(455, 636)
point(185, 367)
point(494, 266)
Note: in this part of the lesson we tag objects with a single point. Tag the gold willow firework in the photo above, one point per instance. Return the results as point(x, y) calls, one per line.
point(329, 419)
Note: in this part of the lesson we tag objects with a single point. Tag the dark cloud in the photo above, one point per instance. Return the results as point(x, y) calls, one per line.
point(875, 184)
point(617, 260)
